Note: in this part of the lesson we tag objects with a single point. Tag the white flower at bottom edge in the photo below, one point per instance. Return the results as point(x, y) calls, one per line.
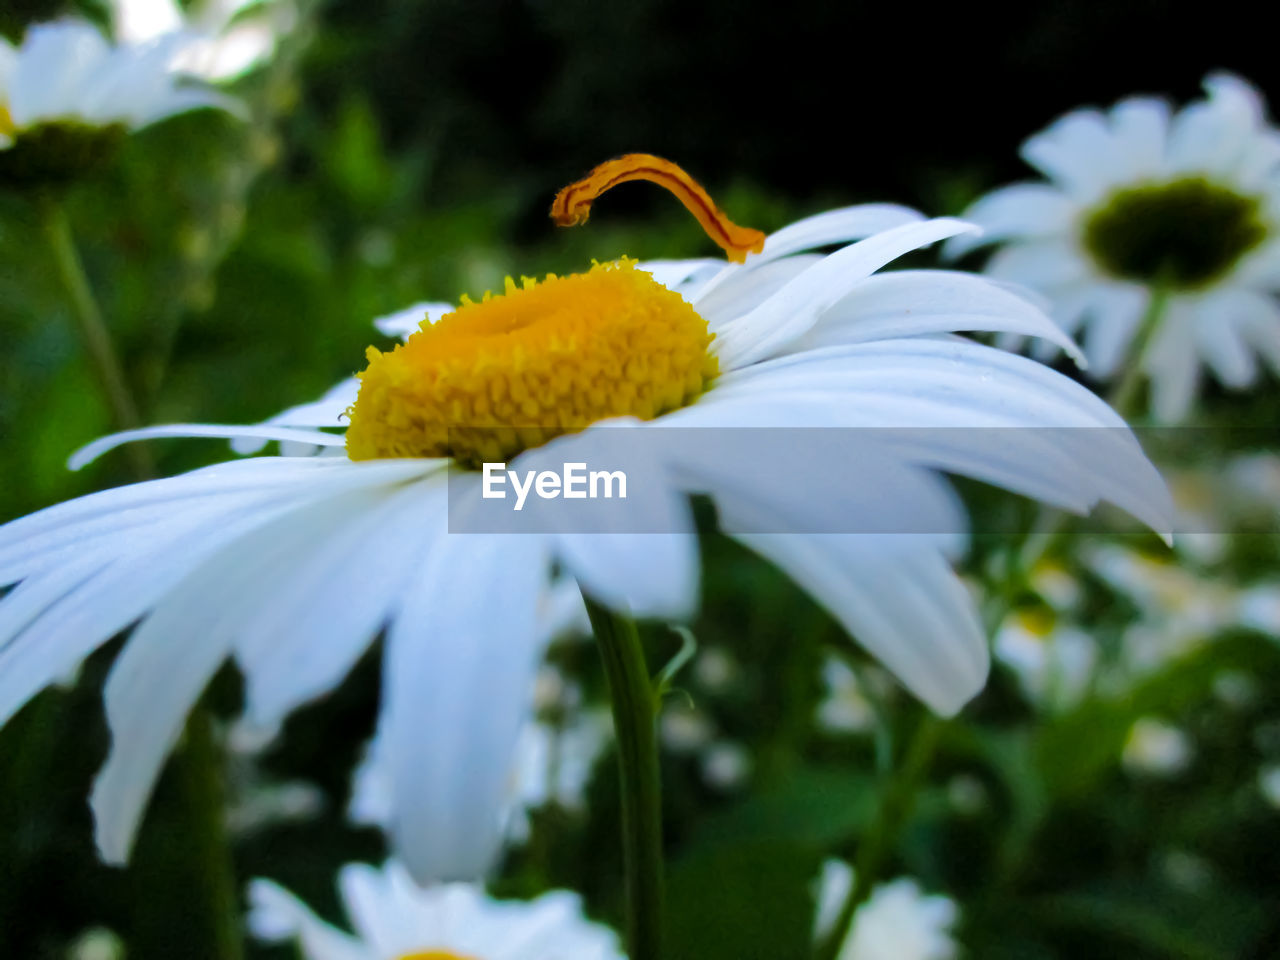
point(1140, 199)
point(898, 922)
point(293, 565)
point(395, 920)
point(67, 72)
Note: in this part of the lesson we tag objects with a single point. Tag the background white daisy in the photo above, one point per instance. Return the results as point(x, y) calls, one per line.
point(395, 920)
point(67, 72)
point(1151, 216)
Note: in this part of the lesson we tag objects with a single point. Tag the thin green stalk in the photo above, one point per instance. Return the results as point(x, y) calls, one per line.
point(200, 770)
point(894, 810)
point(1124, 397)
point(635, 727)
point(93, 329)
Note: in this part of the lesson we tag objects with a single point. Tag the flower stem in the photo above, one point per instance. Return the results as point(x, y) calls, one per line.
point(93, 329)
point(200, 769)
point(892, 813)
point(1125, 395)
point(635, 726)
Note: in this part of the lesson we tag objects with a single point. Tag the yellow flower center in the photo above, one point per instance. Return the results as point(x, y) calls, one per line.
point(435, 955)
point(6, 121)
point(497, 377)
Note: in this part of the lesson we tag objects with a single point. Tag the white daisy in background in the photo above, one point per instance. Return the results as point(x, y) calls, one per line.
point(1053, 661)
point(1156, 748)
point(687, 730)
point(255, 799)
point(231, 37)
point(845, 706)
point(292, 565)
point(898, 922)
point(1269, 784)
point(66, 94)
point(1141, 204)
point(553, 764)
point(395, 920)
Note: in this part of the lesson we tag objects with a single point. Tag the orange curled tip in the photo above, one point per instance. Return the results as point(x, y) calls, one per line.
point(572, 205)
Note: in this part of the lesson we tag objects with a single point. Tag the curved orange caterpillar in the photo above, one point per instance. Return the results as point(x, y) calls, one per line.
point(572, 205)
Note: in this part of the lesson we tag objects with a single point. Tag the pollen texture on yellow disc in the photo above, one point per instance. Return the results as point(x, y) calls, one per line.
point(497, 377)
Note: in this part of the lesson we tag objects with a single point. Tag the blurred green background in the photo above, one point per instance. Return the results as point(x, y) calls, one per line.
point(402, 151)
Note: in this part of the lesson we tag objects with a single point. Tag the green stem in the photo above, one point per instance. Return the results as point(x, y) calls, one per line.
point(891, 816)
point(635, 727)
point(93, 329)
point(203, 788)
point(1124, 397)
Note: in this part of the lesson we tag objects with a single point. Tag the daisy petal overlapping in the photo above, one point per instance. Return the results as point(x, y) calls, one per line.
point(292, 566)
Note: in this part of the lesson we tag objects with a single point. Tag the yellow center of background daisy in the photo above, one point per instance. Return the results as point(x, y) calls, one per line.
point(6, 121)
point(435, 955)
point(542, 359)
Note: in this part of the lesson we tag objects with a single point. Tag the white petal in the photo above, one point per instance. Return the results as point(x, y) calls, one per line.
point(1173, 368)
point(1260, 325)
point(49, 78)
point(92, 451)
point(745, 290)
point(169, 659)
point(1078, 151)
point(792, 310)
point(907, 303)
point(639, 557)
point(458, 686)
point(326, 609)
point(1212, 135)
point(1115, 313)
point(684, 276)
point(1141, 125)
point(840, 226)
point(329, 411)
point(404, 323)
point(900, 599)
point(1022, 210)
point(1261, 267)
point(937, 384)
point(1219, 337)
point(1039, 264)
point(276, 915)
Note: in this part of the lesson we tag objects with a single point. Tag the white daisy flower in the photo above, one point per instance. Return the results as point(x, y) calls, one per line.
point(66, 95)
point(1152, 211)
point(898, 921)
point(292, 565)
point(232, 37)
point(395, 920)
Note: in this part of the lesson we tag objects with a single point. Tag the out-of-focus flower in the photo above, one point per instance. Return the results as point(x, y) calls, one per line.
point(1156, 748)
point(1147, 210)
point(1269, 784)
point(67, 97)
point(1053, 661)
point(553, 764)
point(230, 37)
point(292, 565)
point(98, 943)
point(255, 800)
point(394, 920)
point(1178, 608)
point(898, 922)
point(844, 707)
